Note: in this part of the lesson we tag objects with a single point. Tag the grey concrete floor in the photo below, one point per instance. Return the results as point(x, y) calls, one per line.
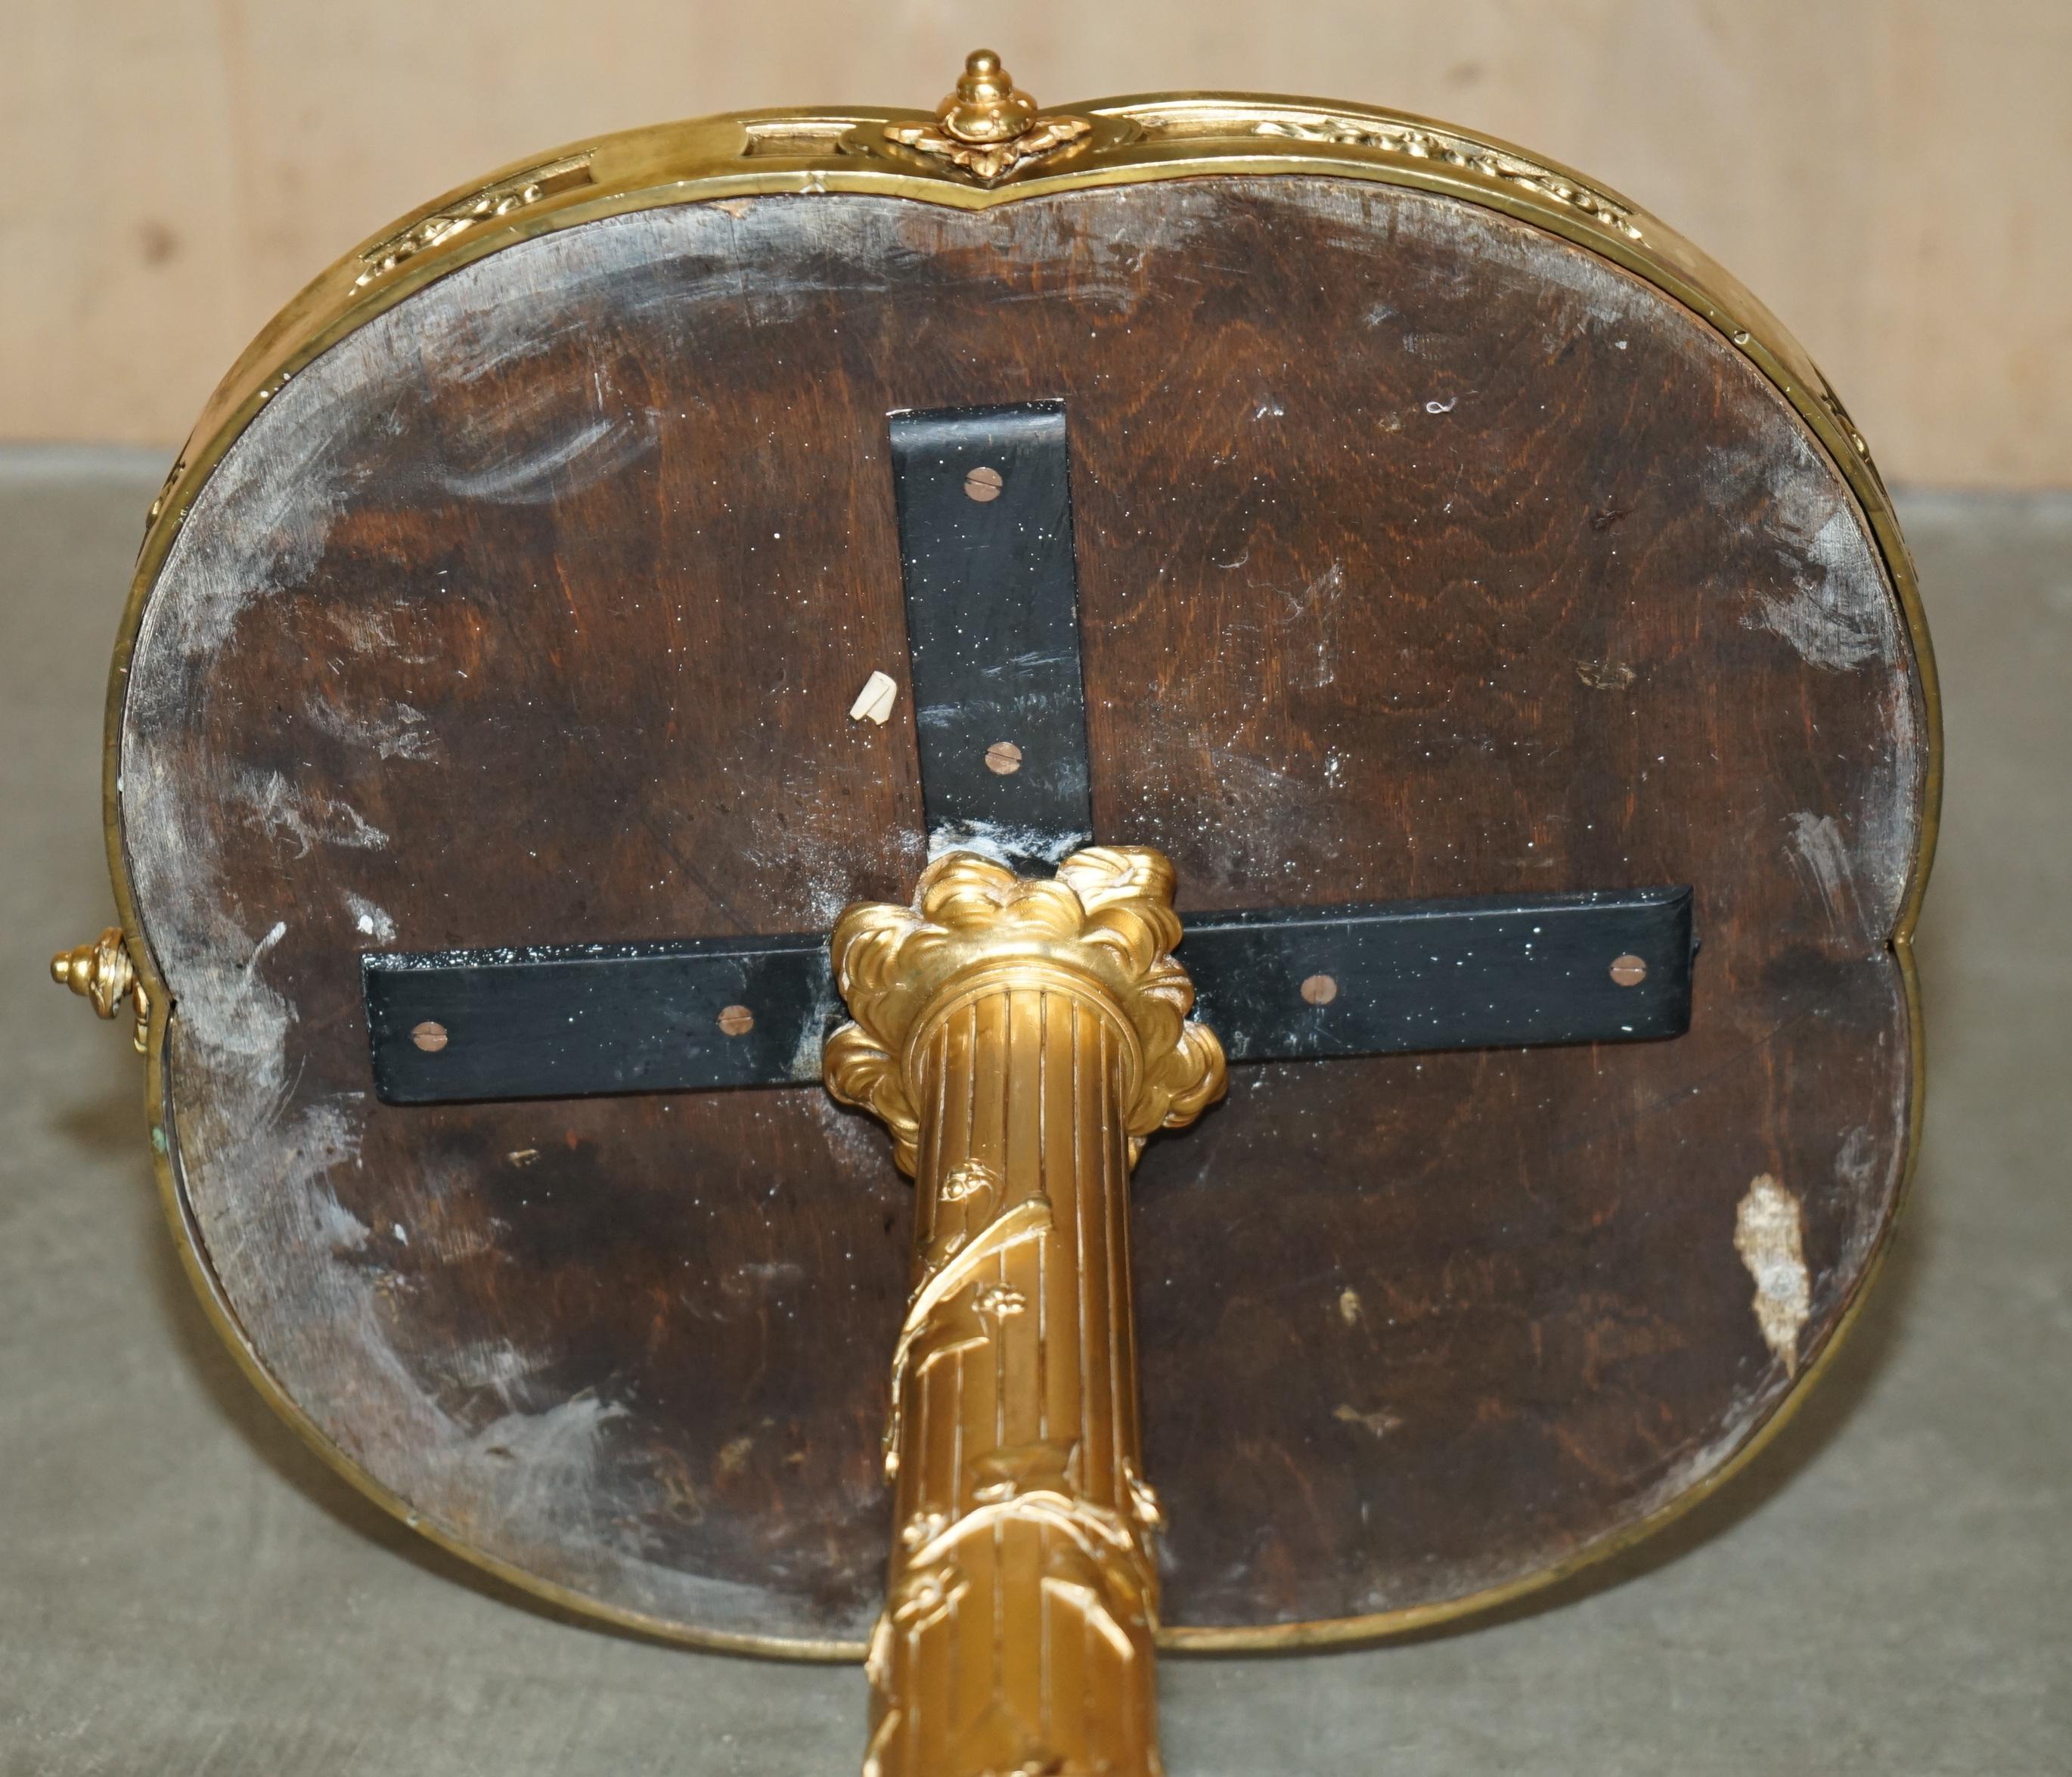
point(184, 1588)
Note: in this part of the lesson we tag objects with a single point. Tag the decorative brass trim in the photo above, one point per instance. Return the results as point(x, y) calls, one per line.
point(1413, 141)
point(165, 492)
point(1020, 1039)
point(988, 126)
point(1140, 139)
point(501, 198)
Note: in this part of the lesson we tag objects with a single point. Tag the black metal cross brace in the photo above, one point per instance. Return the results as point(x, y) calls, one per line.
point(986, 542)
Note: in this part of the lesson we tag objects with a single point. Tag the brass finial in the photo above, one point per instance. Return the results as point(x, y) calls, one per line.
point(102, 973)
point(988, 126)
point(986, 106)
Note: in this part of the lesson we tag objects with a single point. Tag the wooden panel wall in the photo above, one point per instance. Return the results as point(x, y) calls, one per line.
point(1887, 174)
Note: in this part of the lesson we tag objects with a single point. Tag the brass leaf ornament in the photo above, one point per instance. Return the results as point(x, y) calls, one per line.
point(989, 127)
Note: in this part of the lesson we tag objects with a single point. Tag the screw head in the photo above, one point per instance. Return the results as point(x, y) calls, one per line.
point(1629, 970)
point(430, 1036)
point(983, 483)
point(736, 1021)
point(1320, 989)
point(1003, 758)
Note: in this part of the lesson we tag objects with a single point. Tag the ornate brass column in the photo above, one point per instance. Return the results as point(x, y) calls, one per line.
point(1020, 1039)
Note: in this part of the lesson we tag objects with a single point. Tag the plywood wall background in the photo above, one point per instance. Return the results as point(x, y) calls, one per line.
point(1890, 174)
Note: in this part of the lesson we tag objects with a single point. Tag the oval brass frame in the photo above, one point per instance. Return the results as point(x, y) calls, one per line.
point(1140, 139)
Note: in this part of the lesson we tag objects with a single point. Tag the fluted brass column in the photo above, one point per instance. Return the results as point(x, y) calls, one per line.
point(1020, 1039)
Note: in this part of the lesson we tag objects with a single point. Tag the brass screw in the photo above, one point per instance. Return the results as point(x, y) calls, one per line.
point(983, 484)
point(1629, 970)
point(1004, 758)
point(430, 1036)
point(1320, 989)
point(736, 1021)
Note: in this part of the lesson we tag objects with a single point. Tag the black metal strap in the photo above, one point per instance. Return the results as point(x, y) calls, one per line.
point(993, 627)
point(985, 527)
point(1466, 974)
point(568, 1020)
point(573, 1021)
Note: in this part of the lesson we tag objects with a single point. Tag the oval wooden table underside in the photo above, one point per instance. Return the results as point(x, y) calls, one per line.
point(1421, 553)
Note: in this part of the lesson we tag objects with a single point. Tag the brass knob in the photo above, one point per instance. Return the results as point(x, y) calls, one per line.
point(989, 128)
point(102, 973)
point(986, 106)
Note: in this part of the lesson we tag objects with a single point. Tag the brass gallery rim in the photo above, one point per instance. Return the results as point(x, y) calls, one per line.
point(1133, 140)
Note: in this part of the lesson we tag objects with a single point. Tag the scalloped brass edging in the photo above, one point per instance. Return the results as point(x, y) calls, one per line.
point(1139, 139)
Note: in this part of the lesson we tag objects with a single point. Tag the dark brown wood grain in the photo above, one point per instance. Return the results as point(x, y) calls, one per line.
point(1420, 554)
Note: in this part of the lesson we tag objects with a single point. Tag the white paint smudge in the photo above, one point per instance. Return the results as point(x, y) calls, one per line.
point(532, 472)
point(323, 1136)
point(286, 497)
point(1821, 857)
point(542, 1469)
point(369, 920)
point(491, 1366)
point(369, 629)
point(856, 1140)
point(342, 1230)
point(1835, 613)
point(1767, 1236)
point(392, 729)
point(1316, 605)
point(1867, 1167)
point(1855, 1160)
point(504, 341)
point(1003, 843)
point(804, 1065)
point(307, 817)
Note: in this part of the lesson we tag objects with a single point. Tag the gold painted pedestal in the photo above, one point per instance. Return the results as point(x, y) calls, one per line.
point(1020, 1039)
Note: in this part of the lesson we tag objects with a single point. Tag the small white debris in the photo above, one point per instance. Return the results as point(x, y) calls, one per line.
point(1381, 1422)
point(874, 702)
